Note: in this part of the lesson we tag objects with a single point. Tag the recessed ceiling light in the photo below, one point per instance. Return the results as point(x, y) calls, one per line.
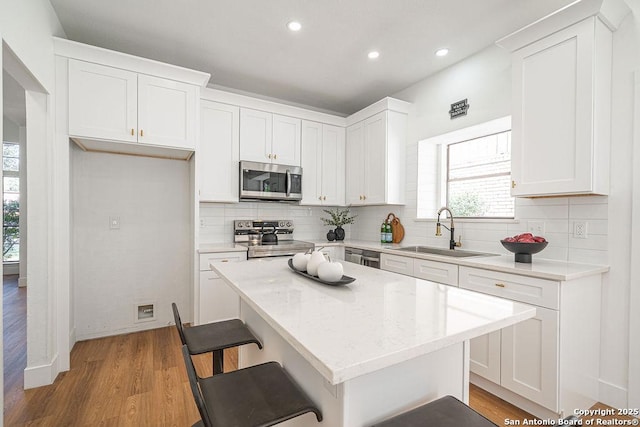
point(373, 54)
point(442, 52)
point(294, 26)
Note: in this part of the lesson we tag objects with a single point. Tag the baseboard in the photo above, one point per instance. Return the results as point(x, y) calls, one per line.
point(513, 398)
point(72, 339)
point(22, 282)
point(10, 269)
point(156, 324)
point(37, 376)
point(612, 395)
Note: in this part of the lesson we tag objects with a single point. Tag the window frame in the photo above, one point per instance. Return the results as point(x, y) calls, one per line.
point(10, 174)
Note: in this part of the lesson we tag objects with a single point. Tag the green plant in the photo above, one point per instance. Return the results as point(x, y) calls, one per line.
point(11, 222)
point(339, 217)
point(467, 204)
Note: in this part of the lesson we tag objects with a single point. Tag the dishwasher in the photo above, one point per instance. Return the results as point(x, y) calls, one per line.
point(362, 256)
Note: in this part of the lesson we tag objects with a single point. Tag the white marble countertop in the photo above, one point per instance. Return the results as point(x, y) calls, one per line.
point(207, 248)
point(540, 267)
point(380, 319)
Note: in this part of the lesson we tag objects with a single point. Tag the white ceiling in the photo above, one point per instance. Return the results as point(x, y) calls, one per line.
point(246, 46)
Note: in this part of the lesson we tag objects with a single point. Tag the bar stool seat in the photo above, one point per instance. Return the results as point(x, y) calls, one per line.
point(444, 412)
point(260, 395)
point(214, 337)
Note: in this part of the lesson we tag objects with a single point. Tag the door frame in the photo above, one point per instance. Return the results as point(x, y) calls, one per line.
point(633, 392)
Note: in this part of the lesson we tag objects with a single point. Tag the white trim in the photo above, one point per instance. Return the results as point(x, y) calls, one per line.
point(98, 55)
point(22, 282)
point(11, 268)
point(502, 124)
point(612, 395)
point(246, 101)
point(634, 292)
point(37, 376)
point(610, 12)
point(387, 103)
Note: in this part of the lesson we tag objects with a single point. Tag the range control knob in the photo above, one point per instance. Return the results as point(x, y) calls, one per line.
point(281, 224)
point(289, 224)
point(239, 224)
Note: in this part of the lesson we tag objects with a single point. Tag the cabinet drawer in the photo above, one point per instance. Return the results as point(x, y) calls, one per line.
point(397, 264)
point(531, 290)
point(205, 259)
point(440, 272)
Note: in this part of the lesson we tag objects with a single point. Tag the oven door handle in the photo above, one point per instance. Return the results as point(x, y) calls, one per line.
point(288, 173)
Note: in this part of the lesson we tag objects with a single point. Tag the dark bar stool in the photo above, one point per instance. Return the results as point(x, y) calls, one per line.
point(214, 338)
point(260, 395)
point(444, 412)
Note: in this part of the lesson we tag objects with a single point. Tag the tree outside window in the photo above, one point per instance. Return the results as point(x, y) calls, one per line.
point(11, 202)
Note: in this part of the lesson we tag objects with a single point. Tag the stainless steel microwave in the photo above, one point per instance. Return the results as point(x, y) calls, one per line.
point(267, 181)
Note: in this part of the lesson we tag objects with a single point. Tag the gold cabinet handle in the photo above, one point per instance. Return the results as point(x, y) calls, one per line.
point(275, 156)
point(133, 131)
point(324, 197)
point(269, 155)
point(320, 198)
point(513, 184)
point(141, 132)
point(500, 285)
point(364, 197)
point(224, 260)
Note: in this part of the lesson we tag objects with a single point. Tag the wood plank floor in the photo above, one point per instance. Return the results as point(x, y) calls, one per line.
point(128, 380)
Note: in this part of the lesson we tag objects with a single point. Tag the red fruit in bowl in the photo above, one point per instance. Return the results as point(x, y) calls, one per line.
point(509, 239)
point(539, 239)
point(526, 240)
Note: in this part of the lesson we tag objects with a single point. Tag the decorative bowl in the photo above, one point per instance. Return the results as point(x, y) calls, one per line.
point(524, 251)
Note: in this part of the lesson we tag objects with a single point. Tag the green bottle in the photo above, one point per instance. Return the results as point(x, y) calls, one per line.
point(388, 232)
point(383, 233)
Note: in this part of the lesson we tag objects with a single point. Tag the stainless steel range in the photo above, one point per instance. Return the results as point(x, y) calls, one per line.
point(268, 238)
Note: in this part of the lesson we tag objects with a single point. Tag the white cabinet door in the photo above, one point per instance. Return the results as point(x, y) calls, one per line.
point(375, 156)
point(285, 141)
point(439, 272)
point(561, 85)
point(312, 163)
point(255, 135)
point(529, 365)
point(333, 165)
point(397, 264)
point(218, 153)
point(485, 356)
point(217, 300)
point(166, 112)
point(102, 102)
point(354, 170)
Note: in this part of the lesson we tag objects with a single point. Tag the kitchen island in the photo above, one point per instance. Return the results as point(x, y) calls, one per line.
point(375, 347)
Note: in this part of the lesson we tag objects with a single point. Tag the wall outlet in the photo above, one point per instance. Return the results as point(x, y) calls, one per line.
point(580, 229)
point(114, 222)
point(536, 228)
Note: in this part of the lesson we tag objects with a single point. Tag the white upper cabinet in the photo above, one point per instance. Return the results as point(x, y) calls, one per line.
point(323, 163)
point(375, 164)
point(269, 138)
point(103, 102)
point(561, 112)
point(166, 112)
point(113, 104)
point(218, 152)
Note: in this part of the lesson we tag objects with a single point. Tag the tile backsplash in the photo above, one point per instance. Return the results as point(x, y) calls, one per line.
point(556, 215)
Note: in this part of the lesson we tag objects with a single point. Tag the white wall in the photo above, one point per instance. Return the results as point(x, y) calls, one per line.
point(11, 131)
point(485, 79)
point(146, 260)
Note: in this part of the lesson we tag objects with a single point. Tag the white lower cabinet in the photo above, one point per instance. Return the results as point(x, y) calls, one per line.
point(522, 358)
point(397, 264)
point(435, 271)
point(217, 300)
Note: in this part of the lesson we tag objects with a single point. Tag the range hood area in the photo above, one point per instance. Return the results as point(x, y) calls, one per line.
point(144, 150)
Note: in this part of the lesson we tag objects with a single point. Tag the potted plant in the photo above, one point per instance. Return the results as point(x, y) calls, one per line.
point(338, 218)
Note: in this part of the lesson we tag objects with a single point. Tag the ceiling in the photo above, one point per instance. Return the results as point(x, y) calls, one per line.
point(246, 46)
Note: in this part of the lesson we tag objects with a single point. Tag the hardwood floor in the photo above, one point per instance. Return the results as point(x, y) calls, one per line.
point(129, 380)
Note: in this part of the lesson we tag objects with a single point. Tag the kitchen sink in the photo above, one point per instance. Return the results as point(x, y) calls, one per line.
point(445, 252)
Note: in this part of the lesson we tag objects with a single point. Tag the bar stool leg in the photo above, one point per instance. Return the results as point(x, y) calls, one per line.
point(218, 362)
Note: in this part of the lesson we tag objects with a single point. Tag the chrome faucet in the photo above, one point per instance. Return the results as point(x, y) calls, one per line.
point(451, 228)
